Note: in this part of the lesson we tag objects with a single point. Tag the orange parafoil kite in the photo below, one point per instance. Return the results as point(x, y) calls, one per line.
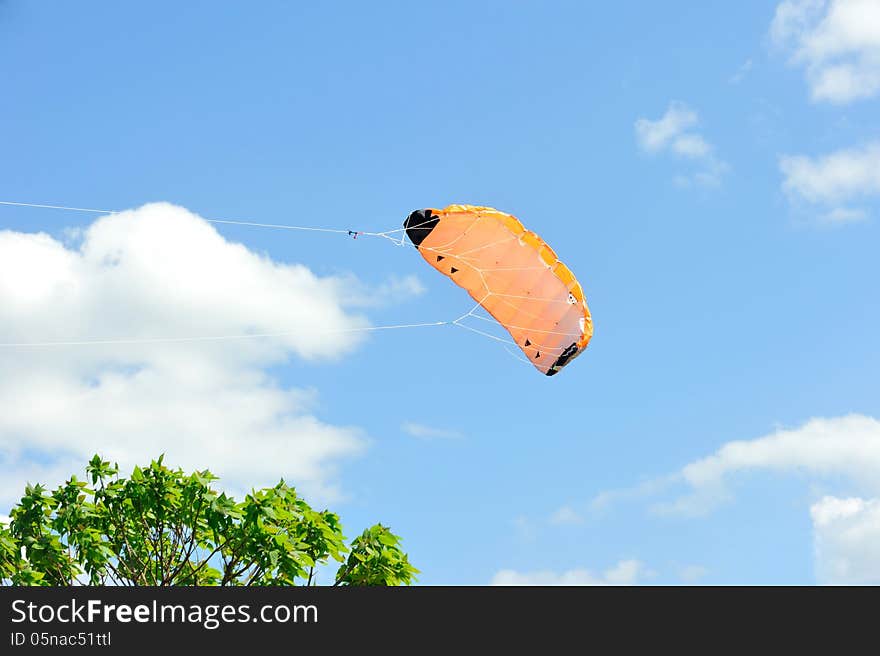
point(513, 274)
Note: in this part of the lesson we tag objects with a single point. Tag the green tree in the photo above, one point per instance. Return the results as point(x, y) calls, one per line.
point(161, 526)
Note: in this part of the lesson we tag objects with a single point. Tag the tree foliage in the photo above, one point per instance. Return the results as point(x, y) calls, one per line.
point(163, 527)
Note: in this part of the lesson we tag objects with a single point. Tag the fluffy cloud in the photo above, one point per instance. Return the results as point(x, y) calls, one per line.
point(669, 130)
point(838, 451)
point(837, 42)
point(846, 446)
point(833, 180)
point(428, 432)
point(626, 572)
point(847, 540)
point(162, 272)
point(673, 132)
point(846, 530)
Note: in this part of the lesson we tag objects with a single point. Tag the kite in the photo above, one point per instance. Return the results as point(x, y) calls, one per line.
point(513, 274)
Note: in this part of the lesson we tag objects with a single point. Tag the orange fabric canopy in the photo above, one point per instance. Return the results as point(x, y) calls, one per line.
point(513, 274)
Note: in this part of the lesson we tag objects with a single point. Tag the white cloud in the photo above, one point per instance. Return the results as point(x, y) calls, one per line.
point(161, 271)
point(691, 145)
point(839, 451)
point(566, 515)
point(834, 181)
point(847, 540)
point(846, 446)
point(837, 42)
point(841, 176)
point(655, 136)
point(625, 572)
point(846, 530)
point(428, 432)
point(673, 132)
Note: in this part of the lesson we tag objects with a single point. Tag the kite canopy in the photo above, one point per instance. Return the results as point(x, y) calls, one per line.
point(513, 274)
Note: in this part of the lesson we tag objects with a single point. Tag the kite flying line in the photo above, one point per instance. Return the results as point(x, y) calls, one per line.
point(164, 340)
point(352, 233)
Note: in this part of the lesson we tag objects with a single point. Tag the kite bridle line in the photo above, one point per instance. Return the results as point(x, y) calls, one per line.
point(354, 234)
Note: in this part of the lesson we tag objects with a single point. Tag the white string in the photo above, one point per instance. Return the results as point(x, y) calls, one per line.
point(158, 340)
point(225, 221)
point(471, 311)
point(536, 330)
point(517, 356)
point(57, 207)
point(484, 334)
point(534, 298)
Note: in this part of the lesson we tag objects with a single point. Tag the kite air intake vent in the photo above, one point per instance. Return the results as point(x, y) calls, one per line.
point(419, 225)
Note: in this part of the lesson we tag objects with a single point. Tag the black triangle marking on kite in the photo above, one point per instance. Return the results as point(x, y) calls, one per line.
point(538, 356)
point(528, 343)
point(453, 270)
point(440, 257)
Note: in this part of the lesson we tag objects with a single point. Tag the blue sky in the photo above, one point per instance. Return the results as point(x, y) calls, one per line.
point(708, 171)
